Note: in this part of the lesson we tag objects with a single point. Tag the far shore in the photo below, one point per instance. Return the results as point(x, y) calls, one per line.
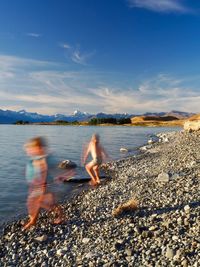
point(176, 123)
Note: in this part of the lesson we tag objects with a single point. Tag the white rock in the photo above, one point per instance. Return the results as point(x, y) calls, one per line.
point(41, 238)
point(165, 140)
point(123, 149)
point(163, 177)
point(60, 252)
point(65, 164)
point(187, 208)
point(85, 240)
point(174, 237)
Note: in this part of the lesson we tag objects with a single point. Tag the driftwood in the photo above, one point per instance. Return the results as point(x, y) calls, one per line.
point(130, 205)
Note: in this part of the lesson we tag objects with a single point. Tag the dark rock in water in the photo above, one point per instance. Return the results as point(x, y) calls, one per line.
point(67, 164)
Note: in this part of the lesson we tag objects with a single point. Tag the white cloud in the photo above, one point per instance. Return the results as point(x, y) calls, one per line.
point(167, 6)
point(75, 54)
point(81, 58)
point(34, 34)
point(65, 45)
point(78, 58)
point(48, 88)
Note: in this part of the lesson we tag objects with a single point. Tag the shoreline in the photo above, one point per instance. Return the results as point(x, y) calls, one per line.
point(163, 231)
point(138, 124)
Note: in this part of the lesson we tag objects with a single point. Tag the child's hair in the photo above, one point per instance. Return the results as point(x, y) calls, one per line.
point(96, 137)
point(37, 141)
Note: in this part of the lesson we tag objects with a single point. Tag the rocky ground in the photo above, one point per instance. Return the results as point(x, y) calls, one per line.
point(163, 231)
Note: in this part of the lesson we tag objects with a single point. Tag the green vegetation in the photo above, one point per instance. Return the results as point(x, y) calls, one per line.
point(20, 122)
point(62, 122)
point(93, 121)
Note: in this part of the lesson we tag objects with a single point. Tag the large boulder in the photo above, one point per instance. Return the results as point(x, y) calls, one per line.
point(191, 126)
point(67, 164)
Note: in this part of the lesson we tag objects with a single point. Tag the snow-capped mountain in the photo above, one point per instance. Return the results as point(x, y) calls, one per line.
point(9, 116)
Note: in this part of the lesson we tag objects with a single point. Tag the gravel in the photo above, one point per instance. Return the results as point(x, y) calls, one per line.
point(163, 231)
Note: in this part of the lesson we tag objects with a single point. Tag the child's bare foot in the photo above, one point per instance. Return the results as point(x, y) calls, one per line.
point(29, 224)
point(92, 182)
point(58, 220)
point(98, 182)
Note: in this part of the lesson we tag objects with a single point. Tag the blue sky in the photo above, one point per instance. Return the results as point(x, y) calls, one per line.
point(100, 55)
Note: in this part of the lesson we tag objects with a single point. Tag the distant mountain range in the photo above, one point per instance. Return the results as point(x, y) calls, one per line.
point(9, 116)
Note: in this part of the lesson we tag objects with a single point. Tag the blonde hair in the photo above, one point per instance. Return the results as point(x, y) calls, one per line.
point(37, 142)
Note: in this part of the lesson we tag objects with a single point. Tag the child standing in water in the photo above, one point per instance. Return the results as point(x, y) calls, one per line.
point(98, 155)
point(37, 174)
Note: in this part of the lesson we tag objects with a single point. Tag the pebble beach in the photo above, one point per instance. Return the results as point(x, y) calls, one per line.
point(164, 230)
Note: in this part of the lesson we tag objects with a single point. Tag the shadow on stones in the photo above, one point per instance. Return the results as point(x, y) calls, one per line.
point(145, 212)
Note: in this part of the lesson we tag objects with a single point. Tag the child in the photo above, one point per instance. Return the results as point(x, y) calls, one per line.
point(98, 154)
point(37, 175)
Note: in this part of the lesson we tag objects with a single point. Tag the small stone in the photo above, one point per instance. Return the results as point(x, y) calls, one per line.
point(179, 253)
point(41, 238)
point(150, 141)
point(169, 253)
point(174, 237)
point(184, 263)
point(153, 228)
point(89, 255)
point(187, 208)
point(86, 240)
point(60, 252)
point(129, 252)
point(179, 221)
point(186, 223)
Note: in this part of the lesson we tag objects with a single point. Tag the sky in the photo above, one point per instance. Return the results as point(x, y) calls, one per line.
point(112, 56)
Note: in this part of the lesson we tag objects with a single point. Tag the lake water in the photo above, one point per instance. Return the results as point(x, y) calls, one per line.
point(66, 142)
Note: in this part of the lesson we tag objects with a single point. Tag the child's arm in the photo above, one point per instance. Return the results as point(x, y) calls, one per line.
point(104, 153)
point(86, 153)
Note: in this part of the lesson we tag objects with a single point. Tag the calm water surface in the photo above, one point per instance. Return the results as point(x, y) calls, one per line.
point(65, 142)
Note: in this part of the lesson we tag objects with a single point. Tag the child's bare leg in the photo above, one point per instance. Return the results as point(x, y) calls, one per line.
point(59, 215)
point(47, 201)
point(96, 171)
point(89, 170)
point(33, 210)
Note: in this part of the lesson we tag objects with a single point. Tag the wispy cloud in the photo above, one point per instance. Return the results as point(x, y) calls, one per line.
point(81, 58)
point(47, 87)
point(76, 55)
point(65, 45)
point(34, 35)
point(166, 6)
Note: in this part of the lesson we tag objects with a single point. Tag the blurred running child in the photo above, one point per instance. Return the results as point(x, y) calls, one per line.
point(37, 174)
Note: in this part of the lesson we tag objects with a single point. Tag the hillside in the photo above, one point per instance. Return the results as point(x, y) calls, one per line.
point(157, 121)
point(194, 117)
